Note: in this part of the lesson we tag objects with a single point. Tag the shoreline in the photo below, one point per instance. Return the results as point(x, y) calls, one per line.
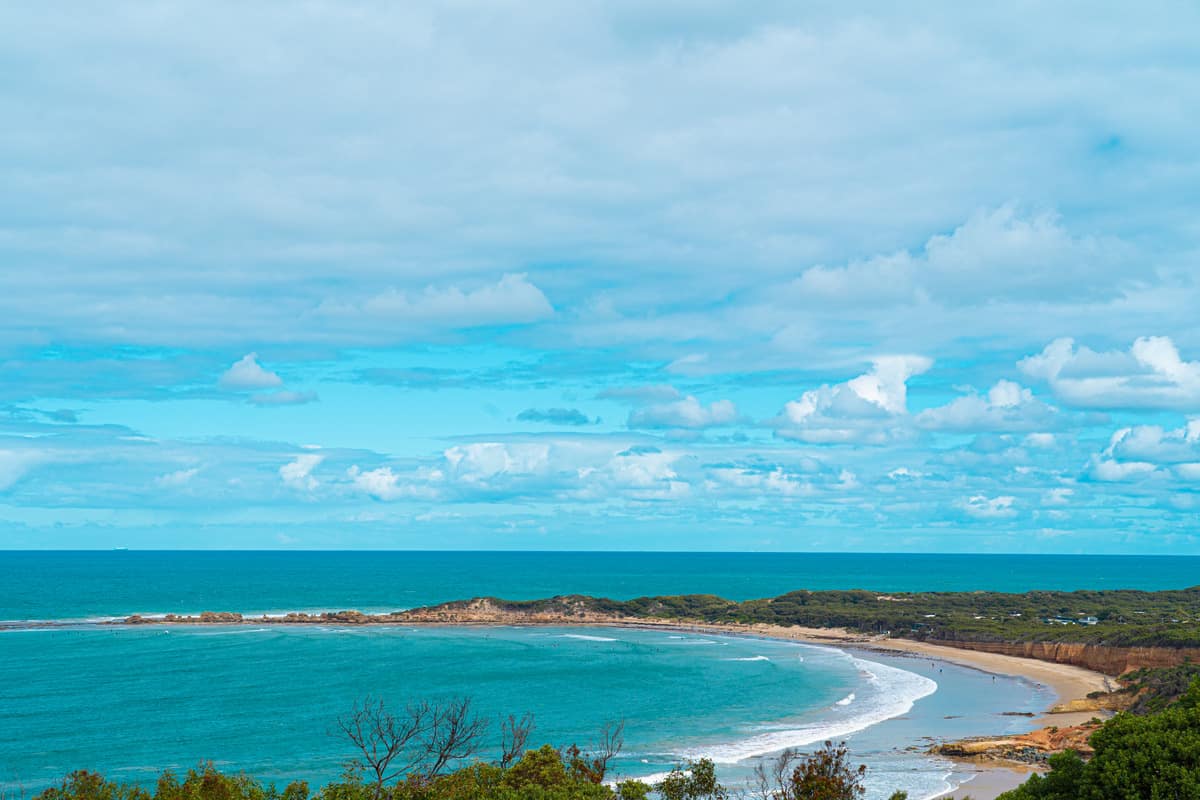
point(1068, 683)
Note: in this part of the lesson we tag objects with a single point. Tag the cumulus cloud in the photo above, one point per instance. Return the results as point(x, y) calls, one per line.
point(511, 300)
point(480, 461)
point(247, 373)
point(297, 474)
point(554, 416)
point(1007, 406)
point(996, 254)
point(773, 481)
point(859, 410)
point(1111, 471)
point(1156, 444)
point(983, 507)
point(1150, 375)
point(686, 412)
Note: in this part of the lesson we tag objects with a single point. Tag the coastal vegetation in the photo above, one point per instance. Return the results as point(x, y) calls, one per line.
point(1111, 618)
point(545, 773)
point(1152, 755)
point(1118, 618)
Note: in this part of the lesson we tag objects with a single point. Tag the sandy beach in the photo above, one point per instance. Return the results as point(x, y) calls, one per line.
point(1068, 683)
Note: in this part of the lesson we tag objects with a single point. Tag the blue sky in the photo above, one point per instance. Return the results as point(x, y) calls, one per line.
point(703, 275)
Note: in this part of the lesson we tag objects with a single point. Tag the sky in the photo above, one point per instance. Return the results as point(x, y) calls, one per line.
point(600, 275)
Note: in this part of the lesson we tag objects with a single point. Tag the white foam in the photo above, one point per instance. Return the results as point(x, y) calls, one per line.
point(587, 638)
point(845, 701)
point(890, 692)
point(748, 658)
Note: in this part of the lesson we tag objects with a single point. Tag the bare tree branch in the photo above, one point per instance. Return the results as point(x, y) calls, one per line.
point(386, 742)
point(514, 733)
point(456, 733)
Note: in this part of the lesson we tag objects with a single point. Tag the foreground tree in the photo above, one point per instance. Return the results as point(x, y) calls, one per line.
point(418, 742)
point(823, 775)
point(593, 766)
point(695, 781)
point(514, 734)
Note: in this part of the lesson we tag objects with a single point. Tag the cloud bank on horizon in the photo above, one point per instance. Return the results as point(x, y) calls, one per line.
point(608, 275)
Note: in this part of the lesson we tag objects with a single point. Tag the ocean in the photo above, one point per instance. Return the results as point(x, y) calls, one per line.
point(133, 701)
point(83, 584)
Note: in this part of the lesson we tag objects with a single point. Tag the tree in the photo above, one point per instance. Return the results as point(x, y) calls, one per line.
point(514, 733)
point(823, 775)
point(1154, 756)
point(593, 766)
point(455, 733)
point(698, 781)
point(418, 742)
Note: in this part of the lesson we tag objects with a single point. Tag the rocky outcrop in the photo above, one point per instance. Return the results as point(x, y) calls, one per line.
point(1098, 658)
point(487, 611)
point(1027, 748)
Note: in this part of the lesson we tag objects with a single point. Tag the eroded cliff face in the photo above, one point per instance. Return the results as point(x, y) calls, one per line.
point(1099, 658)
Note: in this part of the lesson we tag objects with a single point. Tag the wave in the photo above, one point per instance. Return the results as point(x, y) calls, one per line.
point(587, 638)
point(845, 701)
point(748, 658)
point(890, 692)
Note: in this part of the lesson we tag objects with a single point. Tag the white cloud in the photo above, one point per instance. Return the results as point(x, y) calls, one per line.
point(383, 483)
point(859, 410)
point(776, 481)
point(1151, 375)
point(686, 412)
point(1153, 443)
point(482, 461)
point(177, 478)
point(1105, 469)
point(247, 373)
point(1007, 406)
point(1040, 441)
point(297, 474)
point(902, 473)
point(511, 300)
point(1059, 496)
point(983, 507)
point(994, 255)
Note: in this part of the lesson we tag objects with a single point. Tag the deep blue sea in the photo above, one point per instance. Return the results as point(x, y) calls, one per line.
point(64, 585)
point(133, 701)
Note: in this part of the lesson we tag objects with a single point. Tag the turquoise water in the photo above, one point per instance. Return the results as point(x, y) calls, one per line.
point(58, 585)
point(130, 702)
point(133, 701)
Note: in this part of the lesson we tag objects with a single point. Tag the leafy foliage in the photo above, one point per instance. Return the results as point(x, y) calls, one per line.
point(823, 775)
point(1153, 756)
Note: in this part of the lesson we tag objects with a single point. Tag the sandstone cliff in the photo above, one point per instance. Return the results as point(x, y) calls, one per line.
point(1098, 658)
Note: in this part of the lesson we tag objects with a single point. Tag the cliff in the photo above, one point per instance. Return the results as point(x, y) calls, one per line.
point(1098, 658)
